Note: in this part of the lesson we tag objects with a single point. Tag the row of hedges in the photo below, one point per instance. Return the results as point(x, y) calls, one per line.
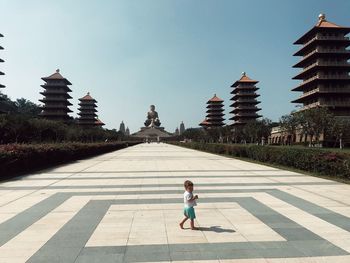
point(17, 159)
point(320, 161)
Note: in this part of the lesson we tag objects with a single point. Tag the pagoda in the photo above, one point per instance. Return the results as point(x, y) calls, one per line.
point(122, 128)
point(325, 68)
point(99, 123)
point(1, 61)
point(87, 112)
point(182, 128)
point(215, 113)
point(56, 97)
point(244, 101)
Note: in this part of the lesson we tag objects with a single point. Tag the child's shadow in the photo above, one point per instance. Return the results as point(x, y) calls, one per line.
point(216, 229)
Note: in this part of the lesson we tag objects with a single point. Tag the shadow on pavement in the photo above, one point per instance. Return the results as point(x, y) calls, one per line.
point(216, 229)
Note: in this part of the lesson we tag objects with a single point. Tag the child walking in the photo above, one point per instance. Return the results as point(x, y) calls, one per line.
point(189, 203)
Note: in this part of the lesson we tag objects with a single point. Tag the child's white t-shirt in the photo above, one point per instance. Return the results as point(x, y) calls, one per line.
point(187, 197)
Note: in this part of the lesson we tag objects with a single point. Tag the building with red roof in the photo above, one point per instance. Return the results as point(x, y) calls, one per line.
point(244, 100)
point(56, 97)
point(87, 112)
point(215, 109)
point(2, 108)
point(325, 68)
point(1, 61)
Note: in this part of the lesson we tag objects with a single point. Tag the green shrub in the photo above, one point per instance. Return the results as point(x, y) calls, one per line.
point(22, 158)
point(319, 161)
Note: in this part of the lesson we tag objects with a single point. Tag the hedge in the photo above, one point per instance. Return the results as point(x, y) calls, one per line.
point(320, 161)
point(18, 159)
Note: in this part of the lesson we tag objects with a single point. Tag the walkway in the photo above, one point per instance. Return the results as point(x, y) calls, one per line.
point(125, 206)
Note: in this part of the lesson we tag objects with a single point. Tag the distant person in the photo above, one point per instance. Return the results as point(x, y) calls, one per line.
point(189, 203)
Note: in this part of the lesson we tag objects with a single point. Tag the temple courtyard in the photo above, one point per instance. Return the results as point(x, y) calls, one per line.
point(125, 206)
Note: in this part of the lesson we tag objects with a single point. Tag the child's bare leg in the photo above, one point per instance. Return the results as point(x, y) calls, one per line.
point(183, 222)
point(192, 225)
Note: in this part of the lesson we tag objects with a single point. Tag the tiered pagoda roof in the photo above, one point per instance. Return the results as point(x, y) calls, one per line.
point(215, 113)
point(244, 100)
point(1, 61)
point(98, 122)
point(88, 116)
point(325, 67)
point(56, 97)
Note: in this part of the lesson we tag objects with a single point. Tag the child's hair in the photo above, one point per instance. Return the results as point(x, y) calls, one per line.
point(187, 183)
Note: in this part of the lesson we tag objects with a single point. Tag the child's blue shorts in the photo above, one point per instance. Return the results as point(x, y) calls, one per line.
point(189, 212)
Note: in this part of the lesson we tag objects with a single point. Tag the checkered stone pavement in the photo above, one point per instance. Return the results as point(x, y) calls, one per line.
point(125, 206)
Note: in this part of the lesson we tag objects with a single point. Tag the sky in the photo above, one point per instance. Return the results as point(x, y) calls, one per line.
point(175, 54)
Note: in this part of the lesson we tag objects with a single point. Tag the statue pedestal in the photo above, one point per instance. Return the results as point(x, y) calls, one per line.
point(152, 133)
point(158, 128)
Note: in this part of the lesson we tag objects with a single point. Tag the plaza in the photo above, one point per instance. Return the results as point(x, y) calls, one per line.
point(125, 206)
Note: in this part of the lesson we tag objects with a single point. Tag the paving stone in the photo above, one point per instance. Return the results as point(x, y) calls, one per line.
point(247, 212)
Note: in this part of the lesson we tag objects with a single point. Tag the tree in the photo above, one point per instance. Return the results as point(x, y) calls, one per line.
point(195, 134)
point(338, 129)
point(314, 122)
point(289, 124)
point(27, 107)
point(264, 131)
point(256, 131)
point(6, 104)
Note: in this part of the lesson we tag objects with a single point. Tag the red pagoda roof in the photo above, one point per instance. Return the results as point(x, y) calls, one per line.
point(56, 76)
point(99, 122)
point(215, 99)
point(204, 123)
point(322, 23)
point(87, 97)
point(244, 79)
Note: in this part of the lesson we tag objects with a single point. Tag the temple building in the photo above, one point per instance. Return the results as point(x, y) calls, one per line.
point(244, 101)
point(325, 68)
point(87, 112)
point(152, 131)
point(1, 61)
point(127, 131)
point(56, 97)
point(177, 132)
point(2, 108)
point(182, 128)
point(215, 113)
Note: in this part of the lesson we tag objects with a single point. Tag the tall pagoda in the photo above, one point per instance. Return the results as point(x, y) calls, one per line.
point(127, 131)
point(1, 61)
point(215, 109)
point(56, 97)
point(325, 68)
point(87, 112)
point(244, 101)
point(122, 127)
point(182, 128)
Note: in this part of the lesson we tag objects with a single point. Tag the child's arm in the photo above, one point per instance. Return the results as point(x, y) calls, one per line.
point(193, 198)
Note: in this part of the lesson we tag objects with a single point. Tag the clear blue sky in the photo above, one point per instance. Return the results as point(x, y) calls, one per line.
point(174, 54)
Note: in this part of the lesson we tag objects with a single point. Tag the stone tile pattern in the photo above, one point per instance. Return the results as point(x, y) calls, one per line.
point(125, 206)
